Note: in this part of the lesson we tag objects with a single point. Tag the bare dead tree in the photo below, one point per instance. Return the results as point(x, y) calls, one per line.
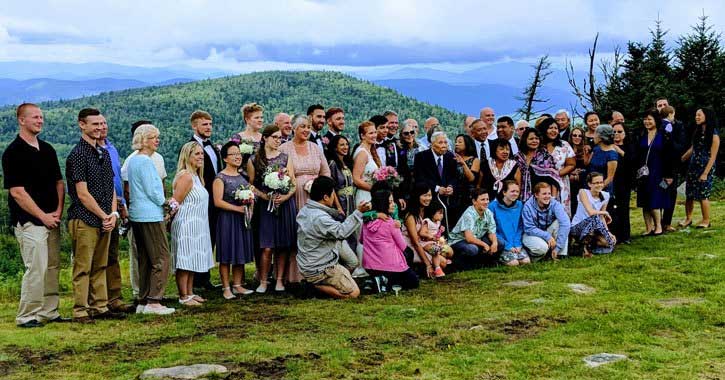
point(586, 95)
point(542, 69)
point(610, 69)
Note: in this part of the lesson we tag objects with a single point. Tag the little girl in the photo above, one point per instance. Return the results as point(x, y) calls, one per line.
point(432, 240)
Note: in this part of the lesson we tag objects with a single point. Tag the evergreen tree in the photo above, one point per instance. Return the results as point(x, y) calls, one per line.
point(699, 70)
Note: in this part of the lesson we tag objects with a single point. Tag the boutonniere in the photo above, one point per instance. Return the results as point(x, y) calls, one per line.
point(325, 140)
point(391, 148)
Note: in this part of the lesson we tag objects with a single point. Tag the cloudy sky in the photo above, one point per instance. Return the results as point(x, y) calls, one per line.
point(234, 35)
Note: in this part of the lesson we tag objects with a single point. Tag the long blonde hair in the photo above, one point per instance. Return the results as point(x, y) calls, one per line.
point(184, 163)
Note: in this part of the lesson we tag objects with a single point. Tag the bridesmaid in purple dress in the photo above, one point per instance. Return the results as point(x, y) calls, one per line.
point(277, 229)
point(234, 236)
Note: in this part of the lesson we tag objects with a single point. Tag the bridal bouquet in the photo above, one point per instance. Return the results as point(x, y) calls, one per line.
point(387, 174)
point(276, 179)
point(245, 196)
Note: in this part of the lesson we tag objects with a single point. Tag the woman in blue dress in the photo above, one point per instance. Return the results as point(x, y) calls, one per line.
point(604, 157)
point(654, 172)
point(701, 168)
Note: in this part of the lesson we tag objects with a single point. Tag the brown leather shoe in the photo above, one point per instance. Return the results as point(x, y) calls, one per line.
point(123, 308)
point(84, 320)
point(110, 315)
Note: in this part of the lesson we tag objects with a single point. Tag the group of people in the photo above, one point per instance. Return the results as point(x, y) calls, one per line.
point(306, 206)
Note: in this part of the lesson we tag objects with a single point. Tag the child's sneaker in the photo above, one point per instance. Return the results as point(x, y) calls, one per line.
point(438, 272)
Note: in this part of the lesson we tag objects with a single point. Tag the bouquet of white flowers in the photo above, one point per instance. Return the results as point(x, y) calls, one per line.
point(245, 196)
point(275, 178)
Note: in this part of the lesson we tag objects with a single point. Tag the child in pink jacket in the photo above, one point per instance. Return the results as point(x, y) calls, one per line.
point(383, 245)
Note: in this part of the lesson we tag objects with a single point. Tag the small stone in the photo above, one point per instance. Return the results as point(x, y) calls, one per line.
point(581, 289)
point(196, 371)
point(709, 256)
point(603, 358)
point(476, 327)
point(656, 258)
point(522, 283)
point(674, 302)
point(539, 301)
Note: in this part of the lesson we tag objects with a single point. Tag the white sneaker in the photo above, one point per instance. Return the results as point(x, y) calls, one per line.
point(140, 309)
point(359, 272)
point(158, 310)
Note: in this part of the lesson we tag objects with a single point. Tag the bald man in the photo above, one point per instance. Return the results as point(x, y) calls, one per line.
point(282, 121)
point(467, 124)
point(430, 122)
point(617, 118)
point(488, 116)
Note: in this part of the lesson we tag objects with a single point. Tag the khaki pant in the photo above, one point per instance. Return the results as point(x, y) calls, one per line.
point(153, 259)
point(133, 263)
point(39, 248)
point(538, 247)
point(113, 272)
point(90, 258)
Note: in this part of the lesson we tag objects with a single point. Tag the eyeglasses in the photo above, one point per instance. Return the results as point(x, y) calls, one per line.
point(234, 154)
point(407, 133)
point(618, 132)
point(276, 137)
point(576, 136)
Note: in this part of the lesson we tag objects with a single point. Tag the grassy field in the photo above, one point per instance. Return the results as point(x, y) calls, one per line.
point(467, 326)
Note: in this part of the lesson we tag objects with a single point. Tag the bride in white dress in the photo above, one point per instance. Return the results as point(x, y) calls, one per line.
point(366, 162)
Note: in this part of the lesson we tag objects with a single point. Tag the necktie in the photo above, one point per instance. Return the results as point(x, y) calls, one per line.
point(440, 167)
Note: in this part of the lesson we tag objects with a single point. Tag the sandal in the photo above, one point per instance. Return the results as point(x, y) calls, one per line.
point(224, 291)
point(198, 298)
point(684, 224)
point(189, 301)
point(240, 290)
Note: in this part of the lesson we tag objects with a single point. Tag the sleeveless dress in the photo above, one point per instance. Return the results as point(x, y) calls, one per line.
point(234, 241)
point(276, 229)
point(190, 237)
point(370, 168)
point(307, 168)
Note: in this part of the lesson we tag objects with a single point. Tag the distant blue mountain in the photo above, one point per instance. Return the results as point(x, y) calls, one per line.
point(469, 99)
point(21, 70)
point(43, 89)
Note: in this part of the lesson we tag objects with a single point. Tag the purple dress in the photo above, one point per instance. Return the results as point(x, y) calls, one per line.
point(234, 241)
point(276, 230)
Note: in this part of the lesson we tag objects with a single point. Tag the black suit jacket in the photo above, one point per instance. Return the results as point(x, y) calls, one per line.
point(425, 170)
point(209, 173)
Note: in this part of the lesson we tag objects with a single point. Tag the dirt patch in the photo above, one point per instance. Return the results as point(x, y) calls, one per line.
point(516, 329)
point(273, 369)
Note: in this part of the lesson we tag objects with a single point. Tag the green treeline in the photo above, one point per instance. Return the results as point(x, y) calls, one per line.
point(169, 108)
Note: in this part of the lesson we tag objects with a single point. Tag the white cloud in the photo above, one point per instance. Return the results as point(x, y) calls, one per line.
point(166, 31)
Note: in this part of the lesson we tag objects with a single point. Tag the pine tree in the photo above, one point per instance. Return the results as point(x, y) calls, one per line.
point(656, 70)
point(699, 71)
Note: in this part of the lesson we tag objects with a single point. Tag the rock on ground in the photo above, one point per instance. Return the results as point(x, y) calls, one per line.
point(673, 302)
point(604, 358)
point(522, 283)
point(581, 289)
point(196, 371)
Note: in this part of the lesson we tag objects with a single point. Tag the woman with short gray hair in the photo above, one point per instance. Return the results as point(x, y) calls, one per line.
point(604, 156)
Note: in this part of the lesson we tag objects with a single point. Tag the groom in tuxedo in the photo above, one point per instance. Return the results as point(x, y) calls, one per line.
point(436, 167)
point(202, 125)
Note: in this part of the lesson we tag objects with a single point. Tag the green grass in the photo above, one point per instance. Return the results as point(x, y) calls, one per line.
point(467, 326)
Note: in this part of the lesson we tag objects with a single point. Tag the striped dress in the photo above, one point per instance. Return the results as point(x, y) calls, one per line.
point(190, 238)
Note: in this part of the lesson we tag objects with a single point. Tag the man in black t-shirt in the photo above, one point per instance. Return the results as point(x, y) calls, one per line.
point(32, 176)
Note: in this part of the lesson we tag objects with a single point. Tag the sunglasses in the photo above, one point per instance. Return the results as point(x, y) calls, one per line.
point(408, 133)
point(100, 151)
point(618, 132)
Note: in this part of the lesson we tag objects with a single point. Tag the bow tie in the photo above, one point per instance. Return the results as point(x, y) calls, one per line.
point(316, 137)
point(206, 143)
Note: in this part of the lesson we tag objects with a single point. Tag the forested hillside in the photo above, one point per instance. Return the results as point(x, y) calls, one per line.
point(170, 106)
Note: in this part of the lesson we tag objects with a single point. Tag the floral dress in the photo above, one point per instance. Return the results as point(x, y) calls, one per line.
point(561, 154)
point(696, 189)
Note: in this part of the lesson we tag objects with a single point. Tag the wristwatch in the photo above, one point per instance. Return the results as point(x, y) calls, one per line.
point(116, 214)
